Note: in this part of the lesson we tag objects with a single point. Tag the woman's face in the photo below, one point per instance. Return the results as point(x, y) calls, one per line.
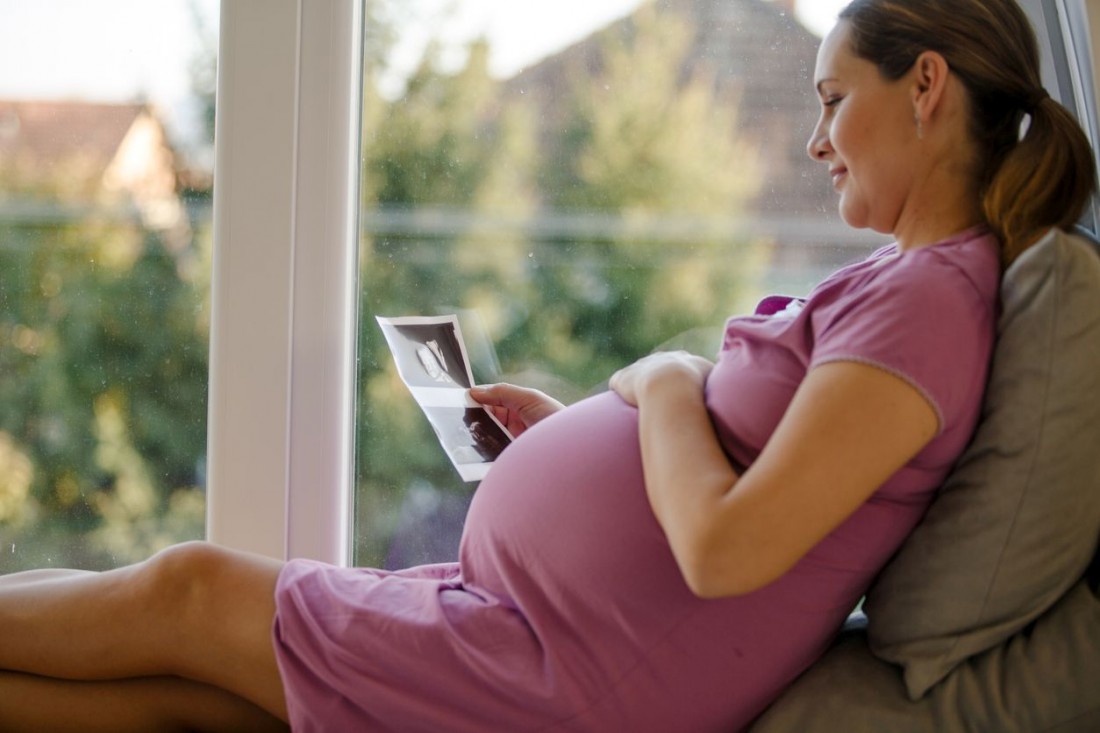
point(866, 134)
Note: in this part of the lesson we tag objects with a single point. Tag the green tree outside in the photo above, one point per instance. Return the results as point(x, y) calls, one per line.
point(103, 351)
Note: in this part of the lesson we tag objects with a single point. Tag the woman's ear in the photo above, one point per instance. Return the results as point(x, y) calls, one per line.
point(930, 73)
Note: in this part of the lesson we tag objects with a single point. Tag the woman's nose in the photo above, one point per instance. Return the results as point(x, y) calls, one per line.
point(818, 146)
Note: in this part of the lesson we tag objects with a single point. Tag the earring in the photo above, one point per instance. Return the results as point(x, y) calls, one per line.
point(920, 127)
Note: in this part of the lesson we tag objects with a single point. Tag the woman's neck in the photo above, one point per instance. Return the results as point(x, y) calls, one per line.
point(947, 209)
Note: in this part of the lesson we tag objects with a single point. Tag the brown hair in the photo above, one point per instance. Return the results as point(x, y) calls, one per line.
point(1028, 185)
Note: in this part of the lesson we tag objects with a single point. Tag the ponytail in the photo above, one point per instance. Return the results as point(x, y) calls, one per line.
point(1042, 181)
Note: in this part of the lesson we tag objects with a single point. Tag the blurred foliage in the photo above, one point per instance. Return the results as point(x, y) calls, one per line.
point(103, 398)
point(104, 326)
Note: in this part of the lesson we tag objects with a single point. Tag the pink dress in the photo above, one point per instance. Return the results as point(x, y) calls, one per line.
point(566, 610)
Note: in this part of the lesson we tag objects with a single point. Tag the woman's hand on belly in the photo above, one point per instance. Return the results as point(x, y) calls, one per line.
point(631, 380)
point(517, 408)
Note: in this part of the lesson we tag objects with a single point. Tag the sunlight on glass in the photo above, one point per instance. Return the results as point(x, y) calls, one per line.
point(520, 34)
point(105, 234)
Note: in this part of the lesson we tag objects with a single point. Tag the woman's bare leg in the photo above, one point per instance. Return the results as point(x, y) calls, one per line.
point(37, 576)
point(194, 611)
point(162, 704)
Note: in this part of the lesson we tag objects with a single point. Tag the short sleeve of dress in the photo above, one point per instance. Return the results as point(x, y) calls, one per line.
point(922, 319)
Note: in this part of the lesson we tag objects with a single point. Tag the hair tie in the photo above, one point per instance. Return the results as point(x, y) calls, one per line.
point(1034, 99)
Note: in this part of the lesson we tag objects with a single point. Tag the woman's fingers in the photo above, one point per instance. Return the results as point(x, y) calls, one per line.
point(518, 408)
point(628, 381)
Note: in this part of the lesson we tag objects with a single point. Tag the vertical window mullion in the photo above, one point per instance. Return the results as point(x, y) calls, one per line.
point(284, 279)
point(325, 283)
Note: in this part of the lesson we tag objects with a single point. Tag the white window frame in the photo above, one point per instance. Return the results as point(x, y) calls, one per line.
point(1063, 28)
point(282, 349)
point(285, 260)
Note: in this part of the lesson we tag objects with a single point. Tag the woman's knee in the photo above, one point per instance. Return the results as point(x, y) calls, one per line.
point(198, 582)
point(220, 604)
point(184, 580)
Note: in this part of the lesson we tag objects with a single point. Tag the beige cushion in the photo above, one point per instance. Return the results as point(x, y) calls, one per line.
point(1016, 522)
point(1045, 679)
point(976, 599)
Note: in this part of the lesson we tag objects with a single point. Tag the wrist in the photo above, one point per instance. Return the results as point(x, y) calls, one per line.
point(672, 383)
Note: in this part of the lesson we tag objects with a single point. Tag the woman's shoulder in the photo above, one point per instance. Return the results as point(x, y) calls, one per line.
point(973, 255)
point(966, 264)
point(961, 276)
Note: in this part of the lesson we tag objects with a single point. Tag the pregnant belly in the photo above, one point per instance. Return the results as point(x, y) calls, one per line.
point(563, 517)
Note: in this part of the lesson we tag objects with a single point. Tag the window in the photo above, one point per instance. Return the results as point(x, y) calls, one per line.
point(105, 241)
point(284, 288)
point(577, 208)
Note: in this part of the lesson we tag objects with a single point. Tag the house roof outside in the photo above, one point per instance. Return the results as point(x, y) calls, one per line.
point(758, 52)
point(45, 131)
point(56, 155)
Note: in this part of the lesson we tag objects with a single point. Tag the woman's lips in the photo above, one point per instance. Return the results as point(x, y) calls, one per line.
point(838, 174)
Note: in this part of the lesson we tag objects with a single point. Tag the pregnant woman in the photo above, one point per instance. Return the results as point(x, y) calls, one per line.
point(666, 556)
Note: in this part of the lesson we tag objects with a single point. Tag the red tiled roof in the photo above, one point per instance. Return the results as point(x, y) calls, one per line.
point(51, 131)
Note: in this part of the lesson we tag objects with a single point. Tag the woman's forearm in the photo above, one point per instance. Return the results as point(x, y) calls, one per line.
point(687, 474)
point(849, 427)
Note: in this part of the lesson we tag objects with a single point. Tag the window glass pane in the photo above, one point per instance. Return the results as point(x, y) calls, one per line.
point(106, 129)
point(625, 186)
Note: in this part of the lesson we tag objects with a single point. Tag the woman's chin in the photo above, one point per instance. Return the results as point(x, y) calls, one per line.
point(857, 217)
point(854, 219)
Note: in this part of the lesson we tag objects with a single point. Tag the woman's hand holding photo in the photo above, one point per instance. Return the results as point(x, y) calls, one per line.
point(517, 408)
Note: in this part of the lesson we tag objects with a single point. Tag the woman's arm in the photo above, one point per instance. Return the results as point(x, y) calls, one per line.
point(849, 427)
